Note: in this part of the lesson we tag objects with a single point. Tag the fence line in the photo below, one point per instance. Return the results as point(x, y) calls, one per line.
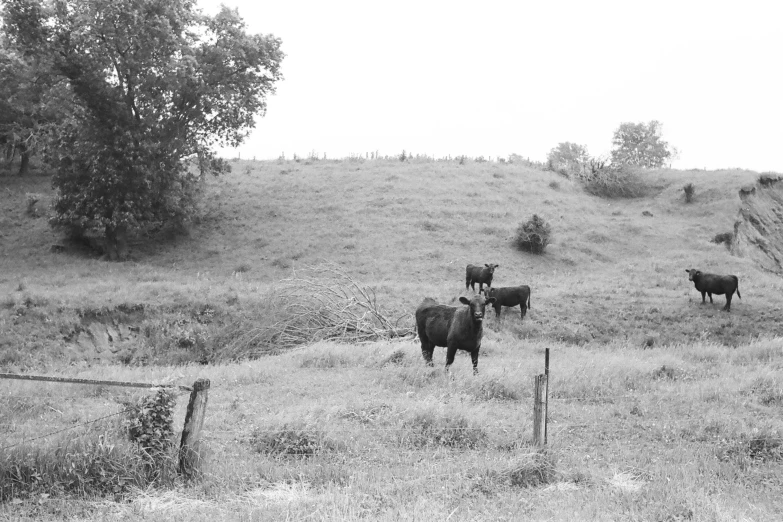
point(70, 380)
point(25, 441)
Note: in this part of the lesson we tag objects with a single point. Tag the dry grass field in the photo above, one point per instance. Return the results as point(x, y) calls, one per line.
point(661, 408)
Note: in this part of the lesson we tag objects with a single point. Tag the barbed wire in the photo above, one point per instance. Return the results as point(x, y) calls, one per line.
point(27, 441)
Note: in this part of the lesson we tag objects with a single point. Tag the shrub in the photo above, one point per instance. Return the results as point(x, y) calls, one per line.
point(32, 200)
point(615, 182)
point(150, 425)
point(690, 191)
point(294, 440)
point(533, 235)
point(723, 237)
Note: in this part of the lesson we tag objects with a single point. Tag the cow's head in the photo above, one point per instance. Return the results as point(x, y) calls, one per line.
point(477, 306)
point(491, 267)
point(692, 272)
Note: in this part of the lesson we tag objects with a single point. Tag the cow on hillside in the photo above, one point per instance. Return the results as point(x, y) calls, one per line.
point(510, 296)
point(481, 275)
point(709, 284)
point(451, 327)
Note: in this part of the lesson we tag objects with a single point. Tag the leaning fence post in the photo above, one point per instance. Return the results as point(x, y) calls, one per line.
point(189, 456)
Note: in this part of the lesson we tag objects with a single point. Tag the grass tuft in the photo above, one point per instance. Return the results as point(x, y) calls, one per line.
point(531, 470)
point(427, 428)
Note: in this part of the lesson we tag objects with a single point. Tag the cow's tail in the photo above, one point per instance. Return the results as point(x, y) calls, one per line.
point(528, 300)
point(736, 282)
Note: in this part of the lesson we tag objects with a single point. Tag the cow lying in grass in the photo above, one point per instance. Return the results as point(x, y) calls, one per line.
point(452, 327)
point(510, 296)
point(481, 275)
point(709, 284)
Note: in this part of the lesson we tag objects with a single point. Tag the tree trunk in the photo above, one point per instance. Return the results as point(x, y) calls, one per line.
point(25, 155)
point(117, 243)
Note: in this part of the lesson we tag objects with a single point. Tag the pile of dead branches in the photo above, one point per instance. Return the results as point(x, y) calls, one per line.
point(315, 304)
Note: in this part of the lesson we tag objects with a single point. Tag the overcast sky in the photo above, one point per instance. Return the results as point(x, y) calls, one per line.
point(494, 78)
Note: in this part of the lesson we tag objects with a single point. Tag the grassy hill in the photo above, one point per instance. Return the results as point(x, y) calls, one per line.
point(662, 407)
point(406, 230)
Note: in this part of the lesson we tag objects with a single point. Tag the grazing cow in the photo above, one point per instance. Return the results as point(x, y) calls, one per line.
point(714, 284)
point(451, 327)
point(510, 296)
point(477, 274)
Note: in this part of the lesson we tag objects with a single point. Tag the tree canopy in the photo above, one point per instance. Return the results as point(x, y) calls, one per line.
point(154, 83)
point(568, 158)
point(640, 144)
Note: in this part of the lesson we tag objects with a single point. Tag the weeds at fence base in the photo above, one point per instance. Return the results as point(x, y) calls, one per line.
point(530, 470)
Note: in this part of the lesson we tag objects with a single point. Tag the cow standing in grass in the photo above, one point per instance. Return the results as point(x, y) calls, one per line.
point(452, 327)
point(510, 296)
point(481, 275)
point(709, 284)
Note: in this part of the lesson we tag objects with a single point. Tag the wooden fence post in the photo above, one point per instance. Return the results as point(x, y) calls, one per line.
point(189, 456)
point(539, 411)
point(546, 393)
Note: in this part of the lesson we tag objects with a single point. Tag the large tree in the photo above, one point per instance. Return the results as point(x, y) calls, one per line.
point(31, 99)
point(156, 83)
point(640, 144)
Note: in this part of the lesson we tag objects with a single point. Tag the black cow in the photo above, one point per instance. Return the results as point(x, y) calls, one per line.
point(451, 327)
point(714, 284)
point(510, 296)
point(480, 275)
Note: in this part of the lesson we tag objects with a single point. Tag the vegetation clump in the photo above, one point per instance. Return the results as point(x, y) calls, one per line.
point(535, 469)
point(690, 191)
point(723, 237)
point(454, 431)
point(289, 441)
point(533, 235)
point(615, 181)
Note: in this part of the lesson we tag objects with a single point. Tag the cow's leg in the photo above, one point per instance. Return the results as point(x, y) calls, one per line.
point(481, 287)
point(703, 297)
point(474, 358)
point(451, 351)
point(710, 294)
point(497, 312)
point(427, 354)
point(728, 303)
point(524, 310)
point(427, 350)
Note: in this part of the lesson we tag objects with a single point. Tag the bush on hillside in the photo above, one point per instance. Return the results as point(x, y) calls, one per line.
point(723, 237)
point(533, 235)
point(615, 182)
point(690, 191)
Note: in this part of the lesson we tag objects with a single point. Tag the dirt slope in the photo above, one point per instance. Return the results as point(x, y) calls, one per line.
point(758, 231)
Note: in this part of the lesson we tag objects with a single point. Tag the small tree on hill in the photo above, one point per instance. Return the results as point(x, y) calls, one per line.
point(533, 235)
point(155, 84)
point(640, 144)
point(568, 158)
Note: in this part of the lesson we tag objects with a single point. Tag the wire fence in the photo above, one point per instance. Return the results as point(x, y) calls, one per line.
point(70, 380)
point(213, 434)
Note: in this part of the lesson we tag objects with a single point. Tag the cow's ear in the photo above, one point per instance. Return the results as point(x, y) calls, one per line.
point(486, 265)
point(688, 270)
point(497, 266)
point(698, 272)
point(464, 300)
